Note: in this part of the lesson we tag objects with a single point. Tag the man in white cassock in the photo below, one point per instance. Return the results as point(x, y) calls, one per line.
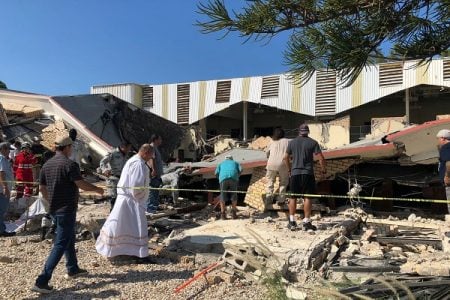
point(125, 230)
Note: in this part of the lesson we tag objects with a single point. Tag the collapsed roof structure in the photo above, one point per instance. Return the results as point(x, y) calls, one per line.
point(103, 120)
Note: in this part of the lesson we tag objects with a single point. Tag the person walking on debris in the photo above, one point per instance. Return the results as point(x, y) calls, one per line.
point(6, 182)
point(79, 150)
point(228, 173)
point(23, 170)
point(156, 165)
point(276, 166)
point(443, 137)
point(111, 166)
point(125, 231)
point(302, 181)
point(60, 180)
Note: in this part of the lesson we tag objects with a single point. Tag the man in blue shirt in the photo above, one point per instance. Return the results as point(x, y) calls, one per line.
point(228, 172)
point(443, 137)
point(6, 181)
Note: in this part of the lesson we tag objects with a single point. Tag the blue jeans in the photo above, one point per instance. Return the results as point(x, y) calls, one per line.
point(4, 204)
point(64, 244)
point(153, 197)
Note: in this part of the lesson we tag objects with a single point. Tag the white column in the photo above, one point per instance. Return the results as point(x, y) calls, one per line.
point(245, 120)
point(407, 106)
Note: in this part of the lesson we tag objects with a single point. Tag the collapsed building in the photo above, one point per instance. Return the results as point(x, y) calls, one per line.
point(102, 121)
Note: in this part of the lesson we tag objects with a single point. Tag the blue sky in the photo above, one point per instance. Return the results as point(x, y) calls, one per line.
point(63, 47)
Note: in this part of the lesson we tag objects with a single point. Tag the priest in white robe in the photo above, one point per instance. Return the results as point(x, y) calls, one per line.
point(125, 231)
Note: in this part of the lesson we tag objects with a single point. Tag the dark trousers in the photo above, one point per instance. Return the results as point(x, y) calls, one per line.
point(153, 197)
point(64, 244)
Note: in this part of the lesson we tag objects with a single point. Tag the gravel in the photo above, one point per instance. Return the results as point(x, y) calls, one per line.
point(22, 259)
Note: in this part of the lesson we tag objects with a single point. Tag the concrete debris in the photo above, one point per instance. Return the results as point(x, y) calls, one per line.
point(260, 143)
point(51, 132)
point(295, 294)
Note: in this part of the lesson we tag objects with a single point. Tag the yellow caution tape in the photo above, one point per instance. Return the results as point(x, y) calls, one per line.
point(292, 195)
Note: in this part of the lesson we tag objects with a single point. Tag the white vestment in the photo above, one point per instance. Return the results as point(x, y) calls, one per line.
point(125, 230)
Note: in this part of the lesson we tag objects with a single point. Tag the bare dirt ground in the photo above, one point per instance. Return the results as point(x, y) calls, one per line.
point(23, 258)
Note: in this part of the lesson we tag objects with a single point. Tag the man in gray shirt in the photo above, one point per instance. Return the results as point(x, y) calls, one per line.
point(6, 182)
point(156, 166)
point(302, 180)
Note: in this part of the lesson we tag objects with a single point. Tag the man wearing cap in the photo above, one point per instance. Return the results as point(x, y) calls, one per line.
point(6, 181)
point(302, 181)
point(228, 172)
point(59, 181)
point(23, 169)
point(443, 137)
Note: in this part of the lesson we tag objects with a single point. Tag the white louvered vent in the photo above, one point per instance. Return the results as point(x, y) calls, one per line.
point(223, 91)
point(325, 93)
point(183, 103)
point(270, 87)
point(446, 69)
point(147, 97)
point(391, 74)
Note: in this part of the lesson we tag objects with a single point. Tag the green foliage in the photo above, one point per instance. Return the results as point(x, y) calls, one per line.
point(3, 85)
point(344, 35)
point(275, 287)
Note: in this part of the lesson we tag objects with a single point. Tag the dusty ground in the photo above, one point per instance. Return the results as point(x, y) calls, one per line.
point(105, 281)
point(22, 259)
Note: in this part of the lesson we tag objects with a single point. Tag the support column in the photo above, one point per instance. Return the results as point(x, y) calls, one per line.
point(407, 106)
point(245, 120)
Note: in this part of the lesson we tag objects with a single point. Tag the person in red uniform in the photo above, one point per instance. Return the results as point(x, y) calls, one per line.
point(23, 170)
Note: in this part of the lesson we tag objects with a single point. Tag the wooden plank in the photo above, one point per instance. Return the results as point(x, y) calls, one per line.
point(402, 223)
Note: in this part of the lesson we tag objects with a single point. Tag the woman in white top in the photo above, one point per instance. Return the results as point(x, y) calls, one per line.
point(275, 165)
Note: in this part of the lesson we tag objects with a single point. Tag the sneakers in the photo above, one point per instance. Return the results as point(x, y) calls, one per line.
point(308, 226)
point(42, 288)
point(292, 226)
point(79, 272)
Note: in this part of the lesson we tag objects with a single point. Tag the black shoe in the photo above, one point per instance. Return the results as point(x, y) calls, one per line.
point(7, 234)
point(308, 226)
point(42, 288)
point(144, 260)
point(292, 226)
point(79, 272)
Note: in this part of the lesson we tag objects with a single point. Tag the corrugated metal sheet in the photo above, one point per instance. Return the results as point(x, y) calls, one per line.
point(344, 98)
point(308, 96)
point(131, 93)
point(285, 93)
point(202, 95)
point(371, 89)
point(236, 91)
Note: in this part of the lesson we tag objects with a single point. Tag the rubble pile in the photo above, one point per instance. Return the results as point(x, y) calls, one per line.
point(16, 111)
point(51, 132)
point(260, 143)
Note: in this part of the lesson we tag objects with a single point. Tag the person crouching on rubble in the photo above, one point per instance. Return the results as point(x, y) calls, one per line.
point(60, 179)
point(125, 231)
point(302, 181)
point(6, 183)
point(111, 166)
point(276, 166)
point(228, 173)
point(443, 137)
point(23, 170)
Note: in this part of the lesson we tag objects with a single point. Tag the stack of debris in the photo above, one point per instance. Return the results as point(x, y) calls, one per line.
point(51, 132)
point(17, 112)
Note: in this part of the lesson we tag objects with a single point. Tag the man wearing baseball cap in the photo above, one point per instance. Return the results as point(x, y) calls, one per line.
point(302, 180)
point(443, 137)
point(59, 181)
